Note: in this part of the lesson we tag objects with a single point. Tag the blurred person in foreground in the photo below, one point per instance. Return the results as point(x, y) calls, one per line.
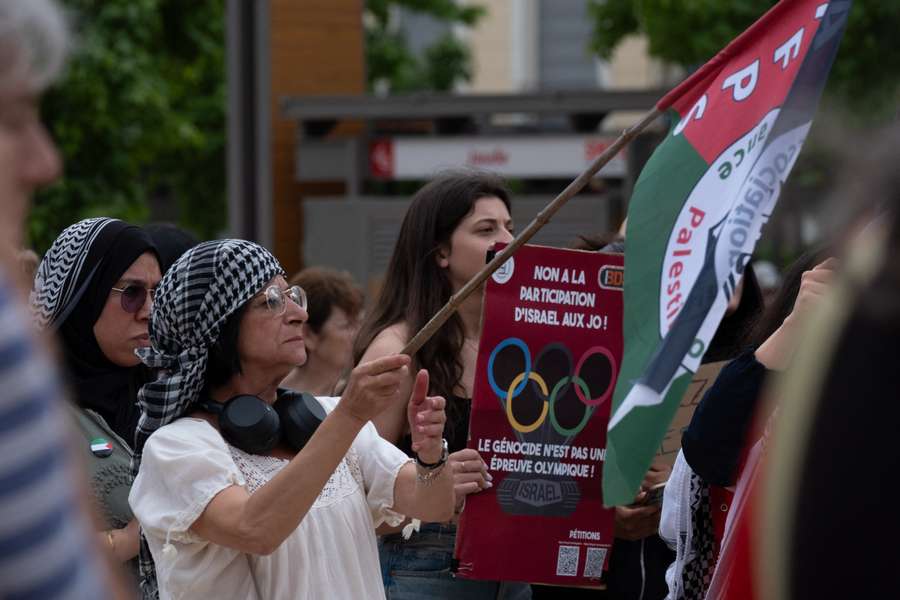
point(335, 307)
point(28, 263)
point(820, 476)
point(46, 547)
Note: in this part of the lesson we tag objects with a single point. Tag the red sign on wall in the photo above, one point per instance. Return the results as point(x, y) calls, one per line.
point(550, 351)
point(529, 156)
point(381, 159)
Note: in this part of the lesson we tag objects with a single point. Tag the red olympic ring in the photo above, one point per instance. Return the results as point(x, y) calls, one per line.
point(612, 365)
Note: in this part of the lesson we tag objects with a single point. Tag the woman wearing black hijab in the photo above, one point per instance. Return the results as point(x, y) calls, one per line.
point(95, 288)
point(171, 242)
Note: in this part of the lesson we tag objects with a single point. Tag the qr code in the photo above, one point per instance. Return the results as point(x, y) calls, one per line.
point(567, 560)
point(593, 563)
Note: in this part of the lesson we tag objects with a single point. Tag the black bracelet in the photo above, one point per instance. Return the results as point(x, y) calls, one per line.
point(430, 466)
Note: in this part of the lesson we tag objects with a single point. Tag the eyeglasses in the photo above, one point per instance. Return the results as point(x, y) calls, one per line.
point(134, 296)
point(275, 298)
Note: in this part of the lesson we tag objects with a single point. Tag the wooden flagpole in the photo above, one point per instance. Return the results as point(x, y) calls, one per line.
point(539, 221)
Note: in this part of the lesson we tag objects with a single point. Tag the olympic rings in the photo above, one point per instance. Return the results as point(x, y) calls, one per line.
point(520, 379)
point(550, 397)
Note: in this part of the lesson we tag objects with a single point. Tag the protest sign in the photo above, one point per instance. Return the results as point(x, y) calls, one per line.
point(701, 381)
point(551, 344)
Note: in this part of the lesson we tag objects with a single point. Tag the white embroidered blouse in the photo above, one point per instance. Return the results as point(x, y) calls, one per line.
point(332, 554)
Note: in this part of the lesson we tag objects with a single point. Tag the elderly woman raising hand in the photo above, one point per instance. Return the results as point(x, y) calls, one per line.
point(229, 507)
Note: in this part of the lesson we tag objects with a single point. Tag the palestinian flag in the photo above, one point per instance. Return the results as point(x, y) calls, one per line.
point(698, 209)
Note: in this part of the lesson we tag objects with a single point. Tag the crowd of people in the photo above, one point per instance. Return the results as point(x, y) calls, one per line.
point(183, 419)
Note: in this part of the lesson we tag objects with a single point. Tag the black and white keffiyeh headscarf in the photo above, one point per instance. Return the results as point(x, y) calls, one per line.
point(686, 526)
point(194, 299)
point(61, 278)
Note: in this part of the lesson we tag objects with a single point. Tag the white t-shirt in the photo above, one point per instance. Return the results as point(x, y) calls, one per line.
point(332, 554)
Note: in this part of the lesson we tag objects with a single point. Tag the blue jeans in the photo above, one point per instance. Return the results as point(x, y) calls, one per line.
point(419, 568)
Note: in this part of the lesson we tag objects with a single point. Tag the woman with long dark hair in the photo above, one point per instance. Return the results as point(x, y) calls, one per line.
point(451, 224)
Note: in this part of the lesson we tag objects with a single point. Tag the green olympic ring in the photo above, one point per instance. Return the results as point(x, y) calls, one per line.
point(587, 410)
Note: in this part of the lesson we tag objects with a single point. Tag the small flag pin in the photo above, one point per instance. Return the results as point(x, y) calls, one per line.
point(101, 447)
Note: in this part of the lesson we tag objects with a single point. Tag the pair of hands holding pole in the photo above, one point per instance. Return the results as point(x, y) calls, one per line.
point(374, 386)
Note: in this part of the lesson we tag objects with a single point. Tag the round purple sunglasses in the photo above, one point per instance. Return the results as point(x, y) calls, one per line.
point(134, 296)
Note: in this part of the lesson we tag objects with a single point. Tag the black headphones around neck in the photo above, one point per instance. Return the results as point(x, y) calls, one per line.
point(251, 425)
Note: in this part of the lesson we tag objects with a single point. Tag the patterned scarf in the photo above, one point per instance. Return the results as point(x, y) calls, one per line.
point(194, 299)
point(698, 571)
point(687, 526)
point(59, 282)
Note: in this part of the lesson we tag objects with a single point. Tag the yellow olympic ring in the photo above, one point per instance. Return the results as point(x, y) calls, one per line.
point(509, 398)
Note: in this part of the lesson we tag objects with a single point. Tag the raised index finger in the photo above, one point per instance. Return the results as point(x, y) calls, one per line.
point(420, 387)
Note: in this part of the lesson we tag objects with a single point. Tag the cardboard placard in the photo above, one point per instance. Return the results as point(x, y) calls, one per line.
point(703, 379)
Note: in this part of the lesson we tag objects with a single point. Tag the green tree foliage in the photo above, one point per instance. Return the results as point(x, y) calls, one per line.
point(139, 116)
point(688, 32)
point(390, 63)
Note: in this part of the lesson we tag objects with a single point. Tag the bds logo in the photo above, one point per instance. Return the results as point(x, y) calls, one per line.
point(611, 277)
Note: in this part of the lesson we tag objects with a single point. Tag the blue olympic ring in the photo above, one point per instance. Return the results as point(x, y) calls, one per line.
point(525, 352)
